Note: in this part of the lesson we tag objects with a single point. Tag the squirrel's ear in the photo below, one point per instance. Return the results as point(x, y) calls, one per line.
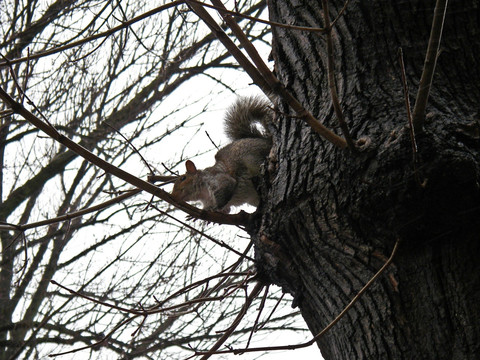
point(191, 169)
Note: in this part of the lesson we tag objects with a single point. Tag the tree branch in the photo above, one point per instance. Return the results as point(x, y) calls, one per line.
point(237, 219)
point(331, 79)
point(429, 65)
point(259, 72)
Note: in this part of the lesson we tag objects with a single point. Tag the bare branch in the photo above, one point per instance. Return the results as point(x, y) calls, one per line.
point(70, 216)
point(260, 73)
point(213, 350)
point(429, 65)
point(331, 79)
point(237, 219)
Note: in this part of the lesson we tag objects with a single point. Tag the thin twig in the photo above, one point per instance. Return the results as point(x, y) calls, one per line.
point(260, 309)
point(340, 14)
point(331, 79)
point(359, 295)
point(429, 65)
point(420, 182)
point(256, 290)
point(72, 215)
point(407, 105)
point(261, 326)
point(131, 145)
point(241, 285)
point(23, 267)
point(22, 92)
point(211, 140)
point(27, 76)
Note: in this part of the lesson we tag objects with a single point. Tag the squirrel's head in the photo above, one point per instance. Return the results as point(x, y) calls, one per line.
point(184, 188)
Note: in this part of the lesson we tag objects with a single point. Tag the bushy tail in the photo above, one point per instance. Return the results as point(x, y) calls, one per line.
point(242, 117)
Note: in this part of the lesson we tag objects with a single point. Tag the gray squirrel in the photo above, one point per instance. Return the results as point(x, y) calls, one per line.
point(229, 181)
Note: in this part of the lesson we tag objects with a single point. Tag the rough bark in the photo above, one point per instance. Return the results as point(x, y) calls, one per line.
point(331, 217)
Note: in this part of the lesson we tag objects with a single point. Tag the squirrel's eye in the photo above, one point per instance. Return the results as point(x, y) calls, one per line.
point(183, 178)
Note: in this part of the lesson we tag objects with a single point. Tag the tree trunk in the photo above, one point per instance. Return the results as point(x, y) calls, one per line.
point(331, 217)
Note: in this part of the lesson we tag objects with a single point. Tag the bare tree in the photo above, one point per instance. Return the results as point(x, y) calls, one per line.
point(369, 211)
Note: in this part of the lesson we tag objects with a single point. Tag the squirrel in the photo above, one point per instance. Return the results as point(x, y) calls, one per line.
point(229, 182)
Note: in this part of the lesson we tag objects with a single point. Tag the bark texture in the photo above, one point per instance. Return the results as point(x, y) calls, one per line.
point(330, 217)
